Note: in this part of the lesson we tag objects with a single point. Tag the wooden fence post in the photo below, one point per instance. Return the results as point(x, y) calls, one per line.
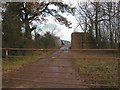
point(119, 65)
point(6, 54)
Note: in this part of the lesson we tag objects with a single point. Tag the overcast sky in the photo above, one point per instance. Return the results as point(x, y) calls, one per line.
point(65, 33)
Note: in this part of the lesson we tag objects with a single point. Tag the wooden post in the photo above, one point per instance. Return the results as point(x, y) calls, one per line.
point(118, 65)
point(6, 54)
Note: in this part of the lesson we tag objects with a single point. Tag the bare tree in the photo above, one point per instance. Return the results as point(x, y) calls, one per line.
point(101, 20)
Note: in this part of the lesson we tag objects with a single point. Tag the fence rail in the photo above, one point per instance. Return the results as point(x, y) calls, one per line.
point(61, 49)
point(31, 49)
point(69, 84)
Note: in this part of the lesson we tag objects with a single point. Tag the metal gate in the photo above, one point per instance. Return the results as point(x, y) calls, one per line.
point(63, 68)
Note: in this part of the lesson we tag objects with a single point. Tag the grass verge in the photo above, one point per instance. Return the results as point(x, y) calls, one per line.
point(16, 63)
point(99, 68)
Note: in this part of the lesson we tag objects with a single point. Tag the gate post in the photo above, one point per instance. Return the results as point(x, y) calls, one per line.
point(6, 51)
point(118, 65)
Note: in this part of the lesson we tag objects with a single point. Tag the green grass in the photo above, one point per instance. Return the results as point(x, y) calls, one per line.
point(93, 64)
point(16, 63)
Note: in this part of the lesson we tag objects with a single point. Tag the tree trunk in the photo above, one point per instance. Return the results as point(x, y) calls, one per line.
point(28, 36)
point(96, 23)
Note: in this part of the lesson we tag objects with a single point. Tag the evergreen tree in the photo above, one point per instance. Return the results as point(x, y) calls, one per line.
point(12, 36)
